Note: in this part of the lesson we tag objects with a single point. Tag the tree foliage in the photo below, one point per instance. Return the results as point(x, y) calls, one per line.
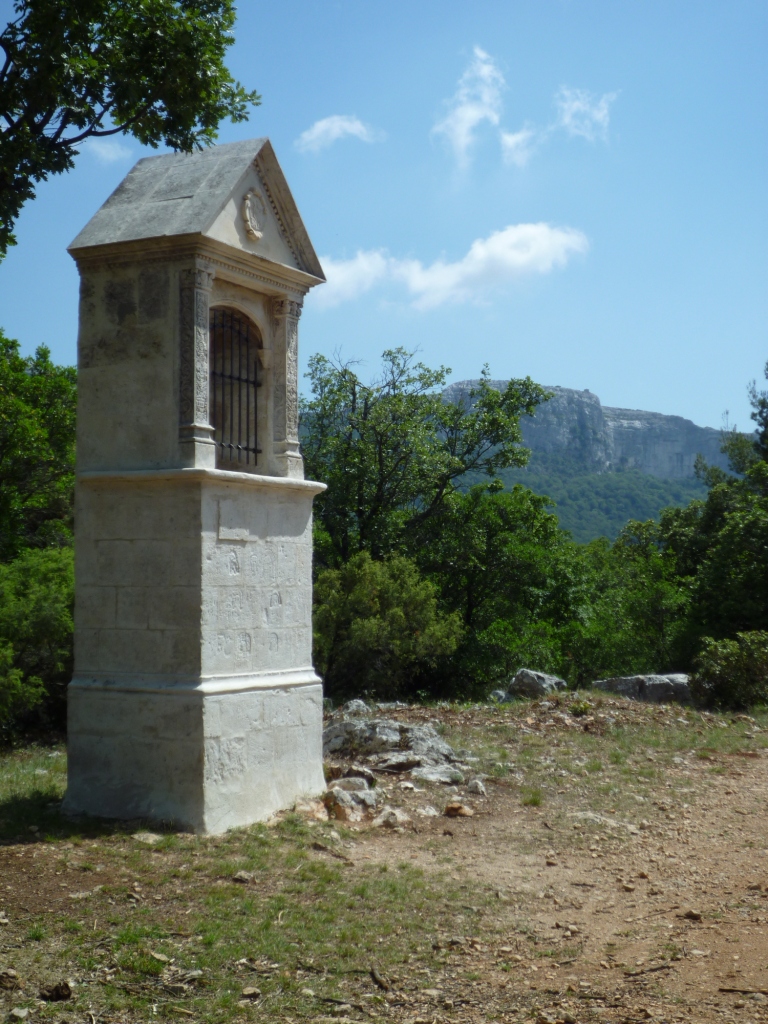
point(392, 450)
point(37, 450)
point(78, 69)
point(36, 627)
point(732, 674)
point(720, 545)
point(378, 628)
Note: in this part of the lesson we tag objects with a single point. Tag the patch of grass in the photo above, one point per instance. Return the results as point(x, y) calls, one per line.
point(531, 797)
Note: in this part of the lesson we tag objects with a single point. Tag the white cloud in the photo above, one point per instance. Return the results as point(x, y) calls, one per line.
point(108, 151)
point(491, 263)
point(579, 113)
point(477, 99)
point(325, 132)
point(517, 147)
point(349, 279)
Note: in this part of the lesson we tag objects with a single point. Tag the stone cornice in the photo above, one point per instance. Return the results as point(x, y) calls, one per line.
point(229, 263)
point(199, 473)
point(188, 686)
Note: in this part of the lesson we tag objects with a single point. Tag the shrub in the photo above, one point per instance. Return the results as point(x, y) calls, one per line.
point(378, 630)
point(732, 673)
point(36, 629)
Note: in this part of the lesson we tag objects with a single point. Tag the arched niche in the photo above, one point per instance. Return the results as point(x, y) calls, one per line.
point(237, 392)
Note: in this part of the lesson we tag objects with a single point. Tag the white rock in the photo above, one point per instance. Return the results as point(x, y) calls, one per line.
point(353, 785)
point(529, 683)
point(391, 817)
point(476, 786)
point(355, 707)
point(654, 689)
point(148, 838)
point(341, 806)
point(439, 773)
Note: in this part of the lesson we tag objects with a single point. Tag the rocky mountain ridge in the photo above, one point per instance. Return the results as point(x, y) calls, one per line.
point(602, 439)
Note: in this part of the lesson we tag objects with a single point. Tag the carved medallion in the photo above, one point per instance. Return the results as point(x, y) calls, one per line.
point(254, 214)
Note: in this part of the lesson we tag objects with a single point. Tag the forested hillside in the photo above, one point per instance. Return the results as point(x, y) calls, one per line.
point(591, 505)
point(603, 466)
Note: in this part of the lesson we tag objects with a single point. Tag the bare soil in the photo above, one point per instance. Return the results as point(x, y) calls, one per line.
point(629, 891)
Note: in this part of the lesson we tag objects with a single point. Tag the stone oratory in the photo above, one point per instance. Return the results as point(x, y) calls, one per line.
point(193, 700)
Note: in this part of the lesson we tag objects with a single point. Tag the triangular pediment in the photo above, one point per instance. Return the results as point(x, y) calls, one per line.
point(235, 194)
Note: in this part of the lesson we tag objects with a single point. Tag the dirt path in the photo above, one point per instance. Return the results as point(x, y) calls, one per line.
point(603, 914)
point(617, 870)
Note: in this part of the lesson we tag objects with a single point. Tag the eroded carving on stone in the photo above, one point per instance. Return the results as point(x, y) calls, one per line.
point(195, 288)
point(254, 213)
point(292, 381)
point(286, 313)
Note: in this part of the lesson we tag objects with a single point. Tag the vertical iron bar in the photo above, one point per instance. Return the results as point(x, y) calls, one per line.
point(231, 385)
point(247, 398)
point(239, 390)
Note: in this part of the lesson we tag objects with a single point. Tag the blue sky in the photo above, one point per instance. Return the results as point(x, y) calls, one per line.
point(565, 189)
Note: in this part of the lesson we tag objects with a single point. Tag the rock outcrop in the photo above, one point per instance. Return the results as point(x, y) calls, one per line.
point(528, 683)
point(654, 689)
point(602, 439)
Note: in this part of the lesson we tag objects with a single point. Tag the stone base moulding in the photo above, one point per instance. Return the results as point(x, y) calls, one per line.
point(205, 758)
point(194, 700)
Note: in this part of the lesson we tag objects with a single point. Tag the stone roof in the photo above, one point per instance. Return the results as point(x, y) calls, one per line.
point(182, 194)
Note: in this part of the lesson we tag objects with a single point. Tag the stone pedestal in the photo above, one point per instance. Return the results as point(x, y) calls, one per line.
point(194, 700)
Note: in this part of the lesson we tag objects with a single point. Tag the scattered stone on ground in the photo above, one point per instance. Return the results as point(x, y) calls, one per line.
point(391, 817)
point(349, 799)
point(529, 683)
point(355, 707)
point(147, 838)
point(637, 890)
point(392, 747)
point(655, 689)
point(457, 809)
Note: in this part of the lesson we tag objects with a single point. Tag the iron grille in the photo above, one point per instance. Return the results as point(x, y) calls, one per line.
point(234, 387)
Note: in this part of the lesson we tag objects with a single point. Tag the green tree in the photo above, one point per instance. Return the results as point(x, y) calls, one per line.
point(732, 673)
point(391, 451)
point(378, 629)
point(720, 545)
point(502, 564)
point(36, 607)
point(37, 450)
point(78, 69)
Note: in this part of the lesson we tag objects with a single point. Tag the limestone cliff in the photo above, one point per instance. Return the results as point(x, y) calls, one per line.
point(597, 438)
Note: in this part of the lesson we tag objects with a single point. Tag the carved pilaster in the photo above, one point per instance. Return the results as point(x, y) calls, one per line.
point(285, 422)
point(195, 429)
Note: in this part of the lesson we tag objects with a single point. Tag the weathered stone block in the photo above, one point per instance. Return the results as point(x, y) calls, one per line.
point(194, 698)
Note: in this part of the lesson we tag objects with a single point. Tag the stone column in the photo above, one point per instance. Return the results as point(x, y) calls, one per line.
point(195, 430)
point(285, 422)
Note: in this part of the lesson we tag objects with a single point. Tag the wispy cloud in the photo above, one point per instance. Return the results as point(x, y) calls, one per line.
point(518, 147)
point(107, 151)
point(580, 113)
point(328, 130)
point(490, 264)
point(477, 99)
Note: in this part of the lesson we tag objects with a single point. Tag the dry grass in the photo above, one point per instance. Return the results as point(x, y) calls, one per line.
point(132, 924)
